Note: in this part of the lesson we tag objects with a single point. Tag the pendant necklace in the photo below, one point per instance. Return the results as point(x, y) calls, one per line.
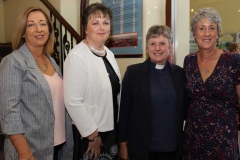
point(206, 71)
point(99, 52)
point(44, 67)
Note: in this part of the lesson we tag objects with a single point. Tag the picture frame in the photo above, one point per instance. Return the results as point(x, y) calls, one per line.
point(126, 38)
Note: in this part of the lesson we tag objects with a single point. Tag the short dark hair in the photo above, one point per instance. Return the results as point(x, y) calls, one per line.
point(95, 9)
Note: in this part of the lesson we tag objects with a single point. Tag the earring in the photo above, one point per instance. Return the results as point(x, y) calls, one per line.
point(23, 36)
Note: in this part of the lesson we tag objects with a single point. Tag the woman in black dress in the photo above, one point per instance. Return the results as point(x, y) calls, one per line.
point(91, 88)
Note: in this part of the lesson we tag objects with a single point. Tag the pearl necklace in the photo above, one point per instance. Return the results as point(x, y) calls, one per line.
point(44, 67)
point(100, 52)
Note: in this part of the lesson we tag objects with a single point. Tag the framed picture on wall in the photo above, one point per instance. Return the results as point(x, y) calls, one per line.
point(126, 37)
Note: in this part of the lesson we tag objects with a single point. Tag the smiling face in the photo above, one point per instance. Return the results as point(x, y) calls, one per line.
point(206, 34)
point(97, 30)
point(37, 30)
point(158, 49)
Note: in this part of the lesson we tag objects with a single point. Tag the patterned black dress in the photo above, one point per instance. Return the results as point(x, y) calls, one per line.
point(211, 130)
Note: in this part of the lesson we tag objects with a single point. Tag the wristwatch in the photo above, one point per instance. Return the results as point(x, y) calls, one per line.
point(94, 139)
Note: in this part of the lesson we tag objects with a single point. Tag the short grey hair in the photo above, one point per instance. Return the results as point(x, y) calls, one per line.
point(158, 30)
point(208, 13)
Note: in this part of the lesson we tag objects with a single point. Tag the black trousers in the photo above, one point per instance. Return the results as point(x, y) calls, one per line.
point(162, 156)
point(158, 156)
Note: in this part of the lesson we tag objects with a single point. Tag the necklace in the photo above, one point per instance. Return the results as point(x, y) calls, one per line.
point(100, 52)
point(44, 67)
point(206, 71)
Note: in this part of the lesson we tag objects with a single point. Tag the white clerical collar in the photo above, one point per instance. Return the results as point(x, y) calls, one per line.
point(158, 66)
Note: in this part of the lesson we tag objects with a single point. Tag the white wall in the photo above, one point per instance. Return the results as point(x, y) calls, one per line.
point(182, 30)
point(70, 10)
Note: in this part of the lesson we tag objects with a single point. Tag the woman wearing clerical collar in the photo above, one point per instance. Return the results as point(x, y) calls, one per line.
point(153, 103)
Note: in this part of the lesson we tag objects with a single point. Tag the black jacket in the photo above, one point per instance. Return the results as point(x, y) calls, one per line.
point(135, 124)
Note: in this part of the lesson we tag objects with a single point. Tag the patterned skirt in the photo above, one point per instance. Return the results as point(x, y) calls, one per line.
point(109, 150)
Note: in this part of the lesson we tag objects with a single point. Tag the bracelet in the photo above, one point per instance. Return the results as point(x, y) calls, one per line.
point(17, 138)
point(94, 139)
point(27, 158)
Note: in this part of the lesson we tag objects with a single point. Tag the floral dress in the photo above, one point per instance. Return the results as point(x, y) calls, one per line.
point(211, 130)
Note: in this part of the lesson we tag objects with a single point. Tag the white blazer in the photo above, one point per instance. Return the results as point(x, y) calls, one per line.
point(87, 90)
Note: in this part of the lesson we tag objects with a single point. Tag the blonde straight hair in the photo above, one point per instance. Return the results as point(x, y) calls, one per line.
point(20, 29)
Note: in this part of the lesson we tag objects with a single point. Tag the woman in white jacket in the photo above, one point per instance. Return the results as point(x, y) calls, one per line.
point(92, 86)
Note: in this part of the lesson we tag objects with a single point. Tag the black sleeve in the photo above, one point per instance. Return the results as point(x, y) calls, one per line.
point(125, 106)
